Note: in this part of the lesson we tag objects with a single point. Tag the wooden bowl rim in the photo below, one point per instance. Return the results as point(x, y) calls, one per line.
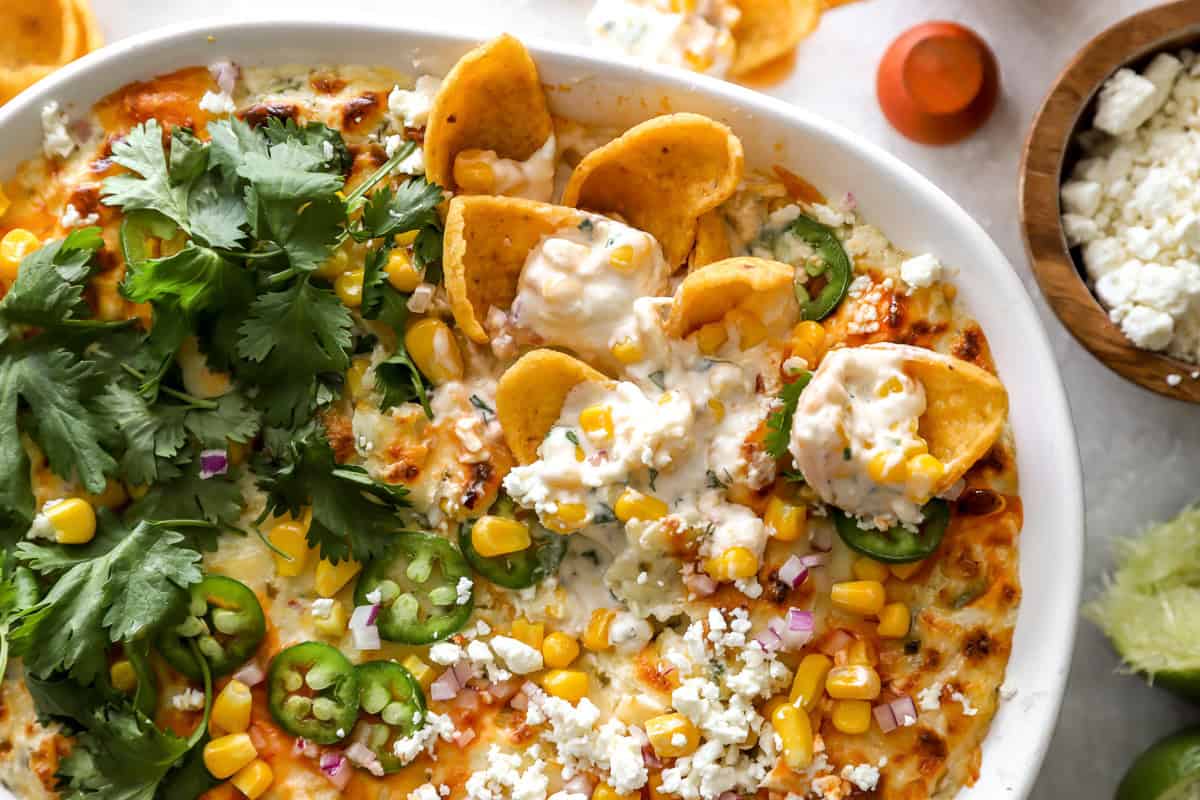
point(1164, 28)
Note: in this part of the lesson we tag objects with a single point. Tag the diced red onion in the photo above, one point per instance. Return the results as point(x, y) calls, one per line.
point(333, 766)
point(530, 689)
point(467, 700)
point(250, 674)
point(213, 463)
point(362, 627)
point(885, 717)
point(729, 796)
point(904, 709)
point(421, 298)
point(300, 746)
point(225, 74)
point(821, 539)
point(464, 737)
point(793, 572)
point(81, 129)
point(790, 638)
point(800, 620)
point(445, 687)
point(650, 758)
point(769, 638)
point(365, 757)
point(814, 560)
point(503, 691)
point(520, 701)
point(700, 584)
point(463, 672)
point(839, 640)
point(850, 202)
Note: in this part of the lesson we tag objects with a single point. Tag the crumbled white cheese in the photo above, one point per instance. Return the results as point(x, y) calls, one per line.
point(188, 700)
point(462, 590)
point(71, 218)
point(446, 653)
point(437, 726)
point(921, 271)
point(864, 776)
point(519, 657)
point(217, 103)
point(57, 141)
point(965, 702)
point(412, 107)
point(930, 698)
point(322, 607)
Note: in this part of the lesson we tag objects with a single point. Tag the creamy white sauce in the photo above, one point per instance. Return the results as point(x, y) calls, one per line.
point(700, 40)
point(861, 404)
point(578, 285)
point(532, 178)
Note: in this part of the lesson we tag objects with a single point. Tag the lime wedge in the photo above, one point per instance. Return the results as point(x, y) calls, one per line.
point(1169, 770)
point(1150, 607)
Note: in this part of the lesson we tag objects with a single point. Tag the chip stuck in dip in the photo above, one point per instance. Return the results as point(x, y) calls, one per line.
point(381, 435)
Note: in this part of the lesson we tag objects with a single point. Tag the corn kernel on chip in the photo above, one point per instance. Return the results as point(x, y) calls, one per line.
point(661, 176)
point(756, 284)
point(965, 409)
point(530, 396)
point(491, 100)
point(486, 242)
point(768, 29)
point(712, 242)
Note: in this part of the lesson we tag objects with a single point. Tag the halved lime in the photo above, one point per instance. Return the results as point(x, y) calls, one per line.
point(1150, 607)
point(1169, 770)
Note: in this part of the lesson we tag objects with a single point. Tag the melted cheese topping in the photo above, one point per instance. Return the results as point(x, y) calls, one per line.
point(693, 35)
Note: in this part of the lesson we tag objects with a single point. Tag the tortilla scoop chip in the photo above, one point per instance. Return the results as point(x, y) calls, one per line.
point(38, 32)
point(486, 242)
point(15, 81)
point(531, 394)
point(712, 242)
point(661, 176)
point(965, 409)
point(491, 100)
point(769, 29)
point(709, 293)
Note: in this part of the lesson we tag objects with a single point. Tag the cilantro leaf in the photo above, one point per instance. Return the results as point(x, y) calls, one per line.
point(399, 381)
point(132, 588)
point(353, 515)
point(216, 213)
point(48, 291)
point(120, 755)
point(189, 157)
point(149, 188)
point(411, 207)
point(779, 424)
point(231, 140)
point(197, 278)
point(294, 335)
point(233, 419)
point(188, 496)
point(314, 135)
point(151, 432)
point(427, 252)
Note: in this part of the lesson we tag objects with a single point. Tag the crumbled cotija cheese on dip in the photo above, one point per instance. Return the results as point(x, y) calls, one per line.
point(1133, 206)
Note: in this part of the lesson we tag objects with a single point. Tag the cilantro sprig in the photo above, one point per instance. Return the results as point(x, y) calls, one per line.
point(779, 423)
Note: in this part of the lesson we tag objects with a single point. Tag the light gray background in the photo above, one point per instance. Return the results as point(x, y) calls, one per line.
point(1139, 450)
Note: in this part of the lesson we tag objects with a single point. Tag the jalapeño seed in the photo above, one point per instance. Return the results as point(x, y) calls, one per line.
point(292, 681)
point(324, 709)
point(197, 607)
point(443, 595)
point(320, 677)
point(406, 608)
point(388, 591)
point(230, 623)
point(420, 569)
point(210, 648)
point(192, 626)
point(374, 699)
point(297, 706)
point(395, 714)
point(377, 736)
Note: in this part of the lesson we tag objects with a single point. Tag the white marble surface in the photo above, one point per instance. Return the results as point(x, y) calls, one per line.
point(1140, 452)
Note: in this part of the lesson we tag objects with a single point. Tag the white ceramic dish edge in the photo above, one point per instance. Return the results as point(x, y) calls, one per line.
point(907, 207)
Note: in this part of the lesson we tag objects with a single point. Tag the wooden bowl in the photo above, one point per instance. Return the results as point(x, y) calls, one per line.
point(1049, 154)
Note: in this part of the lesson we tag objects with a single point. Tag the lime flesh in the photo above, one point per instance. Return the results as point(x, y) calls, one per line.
point(1150, 608)
point(1168, 770)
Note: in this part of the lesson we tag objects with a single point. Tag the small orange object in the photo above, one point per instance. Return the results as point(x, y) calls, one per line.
point(938, 83)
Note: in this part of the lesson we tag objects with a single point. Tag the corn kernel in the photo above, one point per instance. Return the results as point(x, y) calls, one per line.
point(355, 377)
point(868, 569)
point(580, 453)
point(332, 624)
point(421, 672)
point(891, 386)
point(137, 490)
point(627, 351)
point(433, 349)
point(254, 779)
point(498, 536)
point(809, 683)
point(672, 735)
point(860, 652)
point(853, 682)
point(905, 571)
point(472, 172)
point(231, 709)
point(858, 597)
point(852, 716)
point(73, 520)
point(401, 273)
point(894, 621)
point(567, 517)
point(717, 408)
point(595, 636)
point(597, 422)
point(605, 792)
point(632, 504)
point(786, 522)
point(927, 467)
point(568, 684)
point(14, 247)
point(887, 467)
point(621, 258)
point(289, 537)
point(795, 730)
point(531, 633)
point(710, 338)
point(656, 790)
point(349, 287)
point(639, 708)
point(733, 564)
point(808, 341)
point(333, 266)
point(123, 677)
point(330, 578)
point(750, 329)
point(406, 239)
point(559, 650)
point(228, 754)
point(113, 495)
